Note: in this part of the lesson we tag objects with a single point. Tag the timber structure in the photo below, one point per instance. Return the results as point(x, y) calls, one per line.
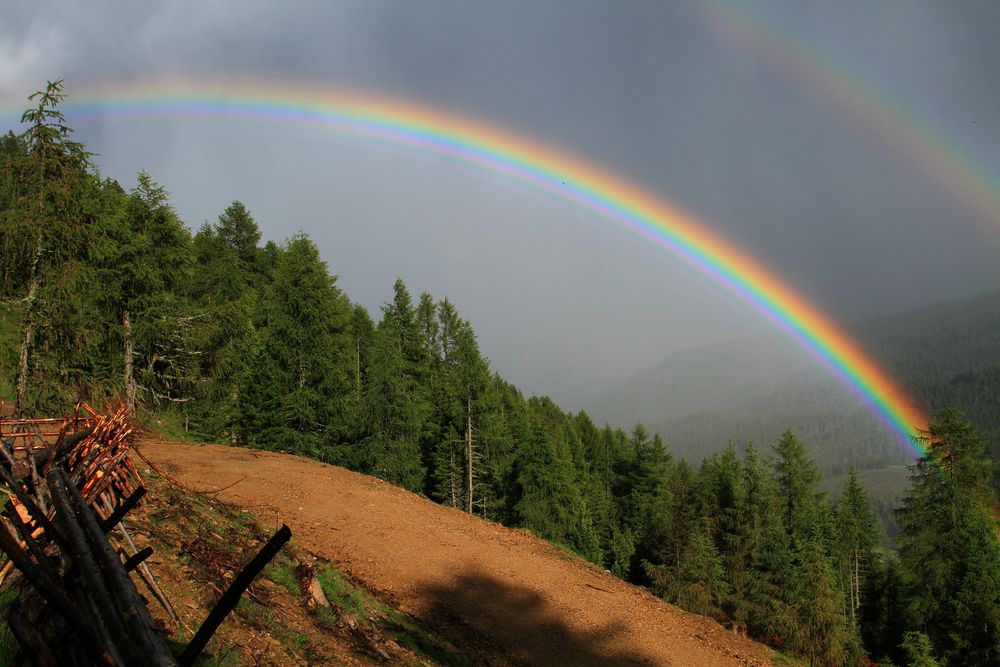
point(68, 483)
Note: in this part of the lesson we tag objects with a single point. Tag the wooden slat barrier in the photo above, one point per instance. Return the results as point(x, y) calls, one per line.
point(63, 499)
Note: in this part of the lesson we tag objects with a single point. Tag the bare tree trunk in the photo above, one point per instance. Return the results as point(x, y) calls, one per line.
point(856, 593)
point(357, 365)
point(452, 481)
point(468, 455)
point(129, 371)
point(22, 369)
point(29, 333)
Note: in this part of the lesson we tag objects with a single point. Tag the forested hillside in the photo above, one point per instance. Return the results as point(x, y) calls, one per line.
point(107, 293)
point(752, 389)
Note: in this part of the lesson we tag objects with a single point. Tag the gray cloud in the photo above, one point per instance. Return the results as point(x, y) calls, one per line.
point(657, 92)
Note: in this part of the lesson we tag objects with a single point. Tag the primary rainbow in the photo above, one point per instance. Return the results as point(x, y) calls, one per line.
point(567, 177)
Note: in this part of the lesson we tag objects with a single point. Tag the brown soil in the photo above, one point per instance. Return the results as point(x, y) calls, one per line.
point(501, 595)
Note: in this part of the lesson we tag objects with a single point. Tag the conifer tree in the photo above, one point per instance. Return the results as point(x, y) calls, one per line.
point(144, 258)
point(45, 234)
point(881, 617)
point(239, 232)
point(697, 582)
point(918, 650)
point(821, 631)
point(303, 356)
point(654, 511)
point(664, 535)
point(856, 541)
point(759, 557)
point(948, 547)
point(718, 491)
point(797, 478)
point(545, 498)
point(392, 419)
point(225, 291)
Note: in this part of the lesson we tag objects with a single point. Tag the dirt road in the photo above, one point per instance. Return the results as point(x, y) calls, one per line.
point(504, 594)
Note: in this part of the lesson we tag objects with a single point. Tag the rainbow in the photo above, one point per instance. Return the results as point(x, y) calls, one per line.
point(960, 165)
point(566, 177)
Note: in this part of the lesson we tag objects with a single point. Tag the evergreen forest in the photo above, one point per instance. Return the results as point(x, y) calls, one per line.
point(107, 295)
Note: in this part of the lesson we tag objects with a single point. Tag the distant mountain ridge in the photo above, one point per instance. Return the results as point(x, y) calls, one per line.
point(752, 389)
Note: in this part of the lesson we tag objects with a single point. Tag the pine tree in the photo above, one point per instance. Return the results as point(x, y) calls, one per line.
point(856, 541)
point(144, 259)
point(697, 582)
point(821, 630)
point(392, 419)
point(46, 234)
point(546, 500)
point(797, 478)
point(948, 548)
point(303, 357)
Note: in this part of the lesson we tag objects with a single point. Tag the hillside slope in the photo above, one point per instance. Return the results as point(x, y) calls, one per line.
point(506, 595)
point(752, 389)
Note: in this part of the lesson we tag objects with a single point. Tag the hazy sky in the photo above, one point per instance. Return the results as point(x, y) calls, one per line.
point(777, 124)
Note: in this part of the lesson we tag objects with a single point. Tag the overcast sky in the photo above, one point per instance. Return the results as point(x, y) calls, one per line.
point(723, 110)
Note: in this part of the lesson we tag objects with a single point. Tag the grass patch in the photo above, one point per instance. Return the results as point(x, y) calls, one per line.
point(405, 630)
point(415, 636)
point(167, 423)
point(256, 615)
point(284, 575)
point(782, 660)
point(342, 593)
point(226, 656)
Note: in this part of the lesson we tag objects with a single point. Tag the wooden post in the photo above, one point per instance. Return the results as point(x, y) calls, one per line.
point(232, 595)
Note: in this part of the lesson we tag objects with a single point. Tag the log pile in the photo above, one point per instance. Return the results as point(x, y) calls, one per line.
point(68, 484)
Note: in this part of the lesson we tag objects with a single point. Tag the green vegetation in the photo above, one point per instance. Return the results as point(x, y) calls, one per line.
point(106, 293)
point(8, 645)
point(755, 388)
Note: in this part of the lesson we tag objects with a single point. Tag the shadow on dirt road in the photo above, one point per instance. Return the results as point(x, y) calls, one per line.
point(516, 625)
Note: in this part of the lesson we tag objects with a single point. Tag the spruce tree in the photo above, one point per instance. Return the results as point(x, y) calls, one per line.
point(303, 356)
point(46, 233)
point(225, 293)
point(797, 478)
point(760, 555)
point(144, 259)
point(392, 419)
point(856, 542)
point(821, 631)
point(697, 581)
point(546, 501)
point(948, 547)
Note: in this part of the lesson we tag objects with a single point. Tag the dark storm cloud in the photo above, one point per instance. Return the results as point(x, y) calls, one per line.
point(657, 92)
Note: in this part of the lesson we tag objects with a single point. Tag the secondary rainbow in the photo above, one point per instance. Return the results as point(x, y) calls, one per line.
point(567, 177)
point(945, 149)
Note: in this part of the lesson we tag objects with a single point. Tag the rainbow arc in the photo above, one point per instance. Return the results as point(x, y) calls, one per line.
point(567, 177)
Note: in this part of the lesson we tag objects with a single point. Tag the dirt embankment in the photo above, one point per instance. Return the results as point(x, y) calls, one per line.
point(504, 595)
